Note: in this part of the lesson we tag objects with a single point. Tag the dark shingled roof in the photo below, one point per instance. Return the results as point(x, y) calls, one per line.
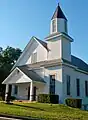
point(59, 13)
point(44, 44)
point(80, 64)
point(28, 69)
point(31, 74)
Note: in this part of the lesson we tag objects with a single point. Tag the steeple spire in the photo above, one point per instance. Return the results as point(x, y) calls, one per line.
point(58, 3)
point(59, 13)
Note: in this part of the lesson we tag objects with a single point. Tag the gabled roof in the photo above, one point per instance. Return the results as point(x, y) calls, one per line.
point(59, 13)
point(31, 74)
point(44, 44)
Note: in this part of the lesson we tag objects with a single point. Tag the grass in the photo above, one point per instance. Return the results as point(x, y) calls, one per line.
point(44, 111)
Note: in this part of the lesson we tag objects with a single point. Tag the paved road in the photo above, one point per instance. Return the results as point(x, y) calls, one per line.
point(4, 118)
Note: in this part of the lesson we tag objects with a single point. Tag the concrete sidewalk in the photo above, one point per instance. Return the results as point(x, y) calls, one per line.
point(12, 117)
point(5, 118)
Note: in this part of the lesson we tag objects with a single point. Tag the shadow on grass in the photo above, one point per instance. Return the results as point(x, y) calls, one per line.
point(36, 108)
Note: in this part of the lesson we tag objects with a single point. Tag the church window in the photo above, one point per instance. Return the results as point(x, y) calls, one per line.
point(78, 86)
point(66, 26)
point(34, 57)
point(86, 88)
point(54, 26)
point(15, 89)
point(68, 85)
point(52, 84)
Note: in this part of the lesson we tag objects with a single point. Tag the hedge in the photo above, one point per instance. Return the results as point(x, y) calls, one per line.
point(47, 98)
point(75, 103)
point(12, 98)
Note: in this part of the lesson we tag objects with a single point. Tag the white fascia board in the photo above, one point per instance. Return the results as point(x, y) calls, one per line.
point(60, 35)
point(9, 76)
point(39, 82)
point(12, 74)
point(40, 43)
point(69, 65)
point(28, 77)
point(68, 37)
point(49, 38)
point(23, 73)
point(81, 71)
point(76, 68)
point(25, 49)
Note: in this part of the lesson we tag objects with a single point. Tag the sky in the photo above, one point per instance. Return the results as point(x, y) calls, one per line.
point(22, 19)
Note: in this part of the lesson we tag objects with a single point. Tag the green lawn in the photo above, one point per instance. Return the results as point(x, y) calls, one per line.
point(44, 111)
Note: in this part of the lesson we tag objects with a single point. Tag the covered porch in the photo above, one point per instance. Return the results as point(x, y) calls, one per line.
point(25, 91)
point(24, 84)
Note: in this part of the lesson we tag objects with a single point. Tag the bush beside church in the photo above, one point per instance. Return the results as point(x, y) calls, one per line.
point(47, 98)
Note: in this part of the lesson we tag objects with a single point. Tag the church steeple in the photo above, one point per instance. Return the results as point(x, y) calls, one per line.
point(59, 13)
point(58, 21)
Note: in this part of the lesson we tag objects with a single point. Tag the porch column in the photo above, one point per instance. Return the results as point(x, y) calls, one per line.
point(31, 91)
point(6, 92)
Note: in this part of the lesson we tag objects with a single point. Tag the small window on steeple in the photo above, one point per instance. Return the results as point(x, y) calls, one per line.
point(54, 26)
point(66, 26)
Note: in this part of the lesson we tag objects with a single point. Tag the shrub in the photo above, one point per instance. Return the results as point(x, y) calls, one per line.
point(1, 99)
point(47, 98)
point(44, 98)
point(2, 96)
point(12, 98)
point(54, 99)
point(75, 103)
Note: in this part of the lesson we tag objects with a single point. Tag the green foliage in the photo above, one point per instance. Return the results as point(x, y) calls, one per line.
point(44, 98)
point(47, 98)
point(8, 57)
point(12, 98)
point(11, 55)
point(1, 98)
point(76, 103)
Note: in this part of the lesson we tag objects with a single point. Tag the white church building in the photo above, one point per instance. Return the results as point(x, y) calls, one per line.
point(47, 67)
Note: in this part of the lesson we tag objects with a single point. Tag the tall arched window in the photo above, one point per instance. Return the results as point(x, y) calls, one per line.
point(54, 26)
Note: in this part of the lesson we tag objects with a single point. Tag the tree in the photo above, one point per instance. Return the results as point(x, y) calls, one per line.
point(1, 49)
point(8, 58)
point(11, 54)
